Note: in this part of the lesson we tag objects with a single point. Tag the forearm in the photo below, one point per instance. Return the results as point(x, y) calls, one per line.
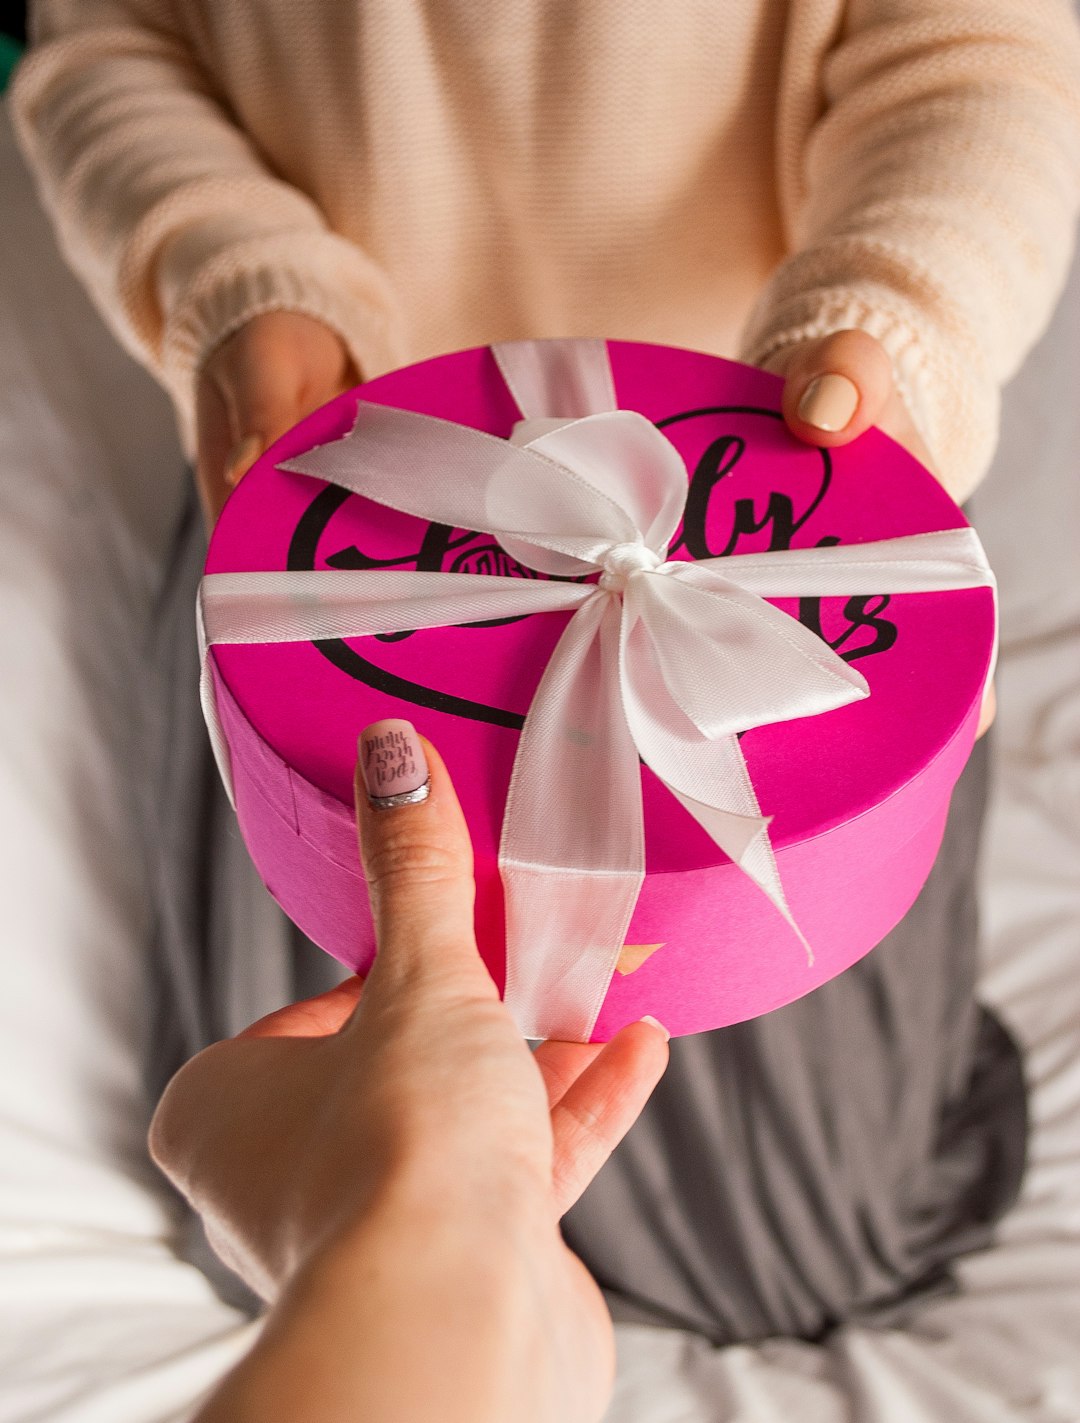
point(420, 1315)
point(163, 204)
point(935, 205)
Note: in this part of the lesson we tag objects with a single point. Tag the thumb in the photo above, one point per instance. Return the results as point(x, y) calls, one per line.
point(417, 859)
point(835, 387)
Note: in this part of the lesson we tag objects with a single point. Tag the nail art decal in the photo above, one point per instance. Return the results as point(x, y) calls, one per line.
point(393, 764)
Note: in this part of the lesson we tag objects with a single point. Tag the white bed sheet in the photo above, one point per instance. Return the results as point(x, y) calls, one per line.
point(99, 1320)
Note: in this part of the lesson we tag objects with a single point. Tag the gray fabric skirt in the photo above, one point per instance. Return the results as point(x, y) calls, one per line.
point(819, 1165)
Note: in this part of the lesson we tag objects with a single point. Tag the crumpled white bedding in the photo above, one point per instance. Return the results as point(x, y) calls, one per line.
point(98, 1319)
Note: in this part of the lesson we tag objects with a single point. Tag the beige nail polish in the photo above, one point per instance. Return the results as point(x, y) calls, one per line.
point(393, 764)
point(829, 402)
point(243, 457)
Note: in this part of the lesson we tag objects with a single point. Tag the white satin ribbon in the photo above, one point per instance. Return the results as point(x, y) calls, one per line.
point(666, 660)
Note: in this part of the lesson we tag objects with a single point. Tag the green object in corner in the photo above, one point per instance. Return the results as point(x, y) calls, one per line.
point(10, 54)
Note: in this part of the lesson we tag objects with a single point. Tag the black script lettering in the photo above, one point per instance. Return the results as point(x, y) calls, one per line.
point(719, 459)
point(428, 557)
point(470, 552)
point(863, 610)
point(779, 517)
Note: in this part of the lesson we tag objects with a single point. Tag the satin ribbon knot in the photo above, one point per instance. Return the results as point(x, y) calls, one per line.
point(622, 561)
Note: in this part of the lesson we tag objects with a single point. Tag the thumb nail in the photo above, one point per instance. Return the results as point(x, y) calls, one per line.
point(242, 458)
point(393, 764)
point(829, 402)
point(648, 1018)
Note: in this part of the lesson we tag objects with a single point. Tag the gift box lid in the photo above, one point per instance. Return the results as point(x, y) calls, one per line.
point(752, 487)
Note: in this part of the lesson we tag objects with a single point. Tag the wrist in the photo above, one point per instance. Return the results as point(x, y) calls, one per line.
point(442, 1221)
point(416, 1312)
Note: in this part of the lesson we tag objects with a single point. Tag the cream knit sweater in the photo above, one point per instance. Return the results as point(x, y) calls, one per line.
point(730, 175)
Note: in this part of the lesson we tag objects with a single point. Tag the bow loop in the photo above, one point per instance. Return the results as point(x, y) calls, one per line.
point(732, 661)
point(626, 459)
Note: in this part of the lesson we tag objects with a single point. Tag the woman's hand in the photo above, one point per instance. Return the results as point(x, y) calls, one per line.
point(413, 1099)
point(837, 386)
point(277, 368)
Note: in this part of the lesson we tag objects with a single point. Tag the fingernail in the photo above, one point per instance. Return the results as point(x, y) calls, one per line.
point(656, 1024)
point(829, 402)
point(243, 457)
point(393, 764)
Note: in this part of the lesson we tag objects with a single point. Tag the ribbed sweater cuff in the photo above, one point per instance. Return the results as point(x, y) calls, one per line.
point(956, 413)
point(322, 275)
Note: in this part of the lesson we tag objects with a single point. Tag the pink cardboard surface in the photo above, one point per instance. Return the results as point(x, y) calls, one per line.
point(858, 795)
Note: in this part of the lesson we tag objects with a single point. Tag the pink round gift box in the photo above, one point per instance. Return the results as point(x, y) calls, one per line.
point(858, 795)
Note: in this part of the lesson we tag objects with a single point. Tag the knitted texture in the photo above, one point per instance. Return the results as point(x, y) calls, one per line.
point(424, 175)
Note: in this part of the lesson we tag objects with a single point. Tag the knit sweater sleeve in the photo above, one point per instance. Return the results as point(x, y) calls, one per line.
point(931, 200)
point(162, 205)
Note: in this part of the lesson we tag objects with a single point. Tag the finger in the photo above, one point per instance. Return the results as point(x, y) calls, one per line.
point(836, 387)
point(242, 457)
point(602, 1105)
point(262, 381)
point(226, 446)
point(271, 374)
point(277, 371)
point(561, 1064)
point(316, 1017)
point(214, 443)
point(417, 857)
point(264, 401)
point(988, 711)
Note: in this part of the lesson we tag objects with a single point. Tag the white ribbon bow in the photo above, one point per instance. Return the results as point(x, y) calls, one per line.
point(666, 660)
